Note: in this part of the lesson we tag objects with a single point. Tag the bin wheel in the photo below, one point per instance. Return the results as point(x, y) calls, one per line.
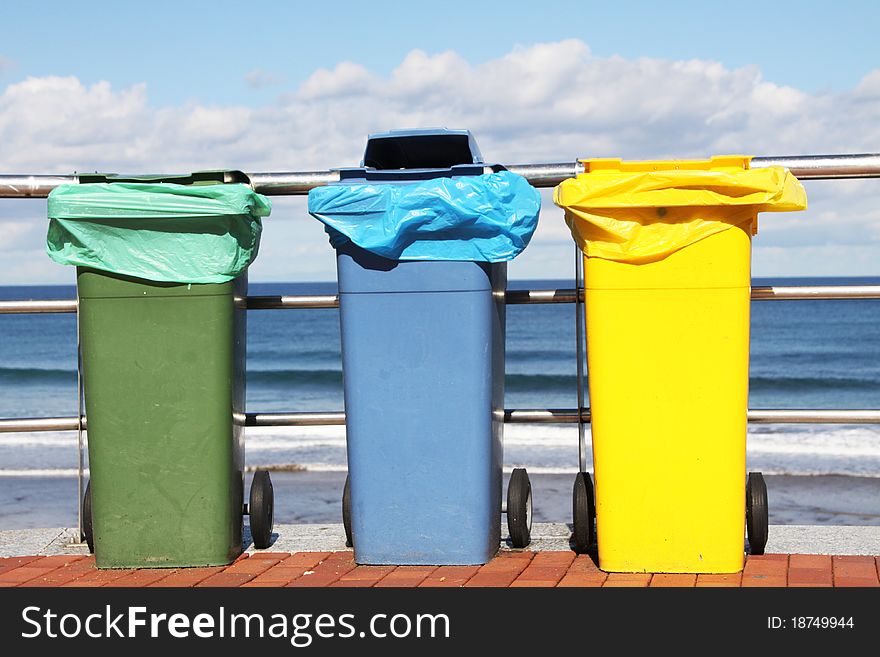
point(261, 509)
point(757, 520)
point(346, 511)
point(583, 512)
point(88, 534)
point(519, 508)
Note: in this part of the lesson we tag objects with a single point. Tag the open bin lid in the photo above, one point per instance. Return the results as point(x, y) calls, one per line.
point(417, 154)
point(424, 148)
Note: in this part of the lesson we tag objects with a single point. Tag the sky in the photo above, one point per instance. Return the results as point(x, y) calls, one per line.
point(295, 86)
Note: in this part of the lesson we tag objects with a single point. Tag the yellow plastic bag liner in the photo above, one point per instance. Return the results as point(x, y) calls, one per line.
point(640, 212)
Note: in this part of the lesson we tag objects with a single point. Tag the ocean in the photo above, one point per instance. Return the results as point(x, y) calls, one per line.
point(804, 354)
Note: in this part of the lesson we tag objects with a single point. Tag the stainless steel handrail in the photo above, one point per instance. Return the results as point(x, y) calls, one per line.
point(511, 416)
point(511, 297)
point(291, 183)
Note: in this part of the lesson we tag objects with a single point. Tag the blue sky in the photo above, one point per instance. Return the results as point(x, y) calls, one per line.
point(203, 49)
point(296, 85)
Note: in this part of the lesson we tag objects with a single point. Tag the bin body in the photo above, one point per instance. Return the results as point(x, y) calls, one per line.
point(668, 357)
point(163, 367)
point(423, 362)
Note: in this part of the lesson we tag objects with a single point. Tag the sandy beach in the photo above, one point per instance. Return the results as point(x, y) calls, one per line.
point(314, 497)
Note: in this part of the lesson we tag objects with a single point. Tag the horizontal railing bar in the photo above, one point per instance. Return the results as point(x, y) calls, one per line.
point(38, 306)
point(511, 416)
point(524, 297)
point(35, 424)
point(328, 418)
point(761, 293)
point(301, 301)
point(807, 416)
point(31, 186)
point(289, 183)
point(547, 175)
point(544, 415)
point(824, 167)
point(512, 297)
point(755, 416)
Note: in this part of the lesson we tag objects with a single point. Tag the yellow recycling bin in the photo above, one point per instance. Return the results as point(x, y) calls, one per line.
point(667, 253)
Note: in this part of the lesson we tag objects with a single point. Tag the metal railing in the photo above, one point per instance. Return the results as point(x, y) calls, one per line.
point(808, 167)
point(512, 297)
point(292, 183)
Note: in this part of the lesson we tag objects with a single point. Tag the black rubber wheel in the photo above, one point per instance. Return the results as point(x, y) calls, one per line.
point(583, 509)
point(519, 508)
point(346, 511)
point(88, 533)
point(757, 520)
point(261, 509)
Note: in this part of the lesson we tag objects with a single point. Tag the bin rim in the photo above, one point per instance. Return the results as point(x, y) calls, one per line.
point(194, 178)
point(618, 165)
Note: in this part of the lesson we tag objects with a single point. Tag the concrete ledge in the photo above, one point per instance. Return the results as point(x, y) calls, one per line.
point(546, 537)
point(814, 539)
point(27, 542)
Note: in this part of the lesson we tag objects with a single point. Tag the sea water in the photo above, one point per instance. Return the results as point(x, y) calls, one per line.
point(804, 354)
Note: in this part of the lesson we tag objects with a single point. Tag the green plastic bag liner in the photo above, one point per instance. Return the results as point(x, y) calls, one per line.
point(157, 231)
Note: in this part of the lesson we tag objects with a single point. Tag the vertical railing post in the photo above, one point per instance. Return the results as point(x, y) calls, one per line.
point(579, 331)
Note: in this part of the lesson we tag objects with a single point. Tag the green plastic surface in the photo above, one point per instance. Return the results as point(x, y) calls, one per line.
point(163, 369)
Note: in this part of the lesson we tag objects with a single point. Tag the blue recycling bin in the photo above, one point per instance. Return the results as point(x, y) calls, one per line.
point(423, 363)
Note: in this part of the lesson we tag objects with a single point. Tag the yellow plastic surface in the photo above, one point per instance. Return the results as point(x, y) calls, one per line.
point(668, 378)
point(640, 212)
point(667, 274)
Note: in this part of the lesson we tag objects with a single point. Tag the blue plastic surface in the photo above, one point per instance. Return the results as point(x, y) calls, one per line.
point(484, 218)
point(422, 319)
point(424, 398)
point(360, 272)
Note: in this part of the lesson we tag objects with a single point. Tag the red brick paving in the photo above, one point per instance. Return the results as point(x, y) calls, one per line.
point(628, 579)
point(720, 580)
point(583, 572)
point(363, 576)
point(508, 569)
point(502, 571)
point(852, 571)
point(187, 577)
point(673, 580)
point(449, 576)
point(766, 570)
point(810, 570)
point(327, 571)
point(406, 576)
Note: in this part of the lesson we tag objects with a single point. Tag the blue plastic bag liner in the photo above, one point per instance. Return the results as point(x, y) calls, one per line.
point(157, 231)
point(485, 218)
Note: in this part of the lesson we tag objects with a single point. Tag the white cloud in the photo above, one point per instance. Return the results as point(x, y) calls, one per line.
point(547, 102)
point(259, 79)
point(347, 79)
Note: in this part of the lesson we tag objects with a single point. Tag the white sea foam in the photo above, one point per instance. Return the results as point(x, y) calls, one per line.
point(552, 449)
point(48, 439)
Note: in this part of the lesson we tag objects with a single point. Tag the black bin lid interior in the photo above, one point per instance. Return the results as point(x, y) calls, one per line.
point(420, 151)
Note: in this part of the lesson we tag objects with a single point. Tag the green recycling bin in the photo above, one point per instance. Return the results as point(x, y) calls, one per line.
point(162, 286)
